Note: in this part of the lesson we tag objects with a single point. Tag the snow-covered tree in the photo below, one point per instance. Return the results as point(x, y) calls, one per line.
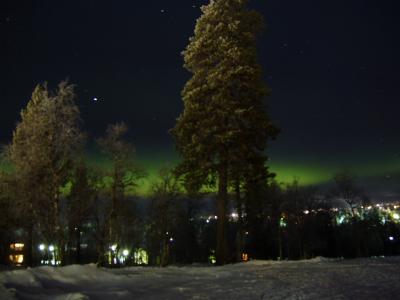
point(43, 148)
point(224, 123)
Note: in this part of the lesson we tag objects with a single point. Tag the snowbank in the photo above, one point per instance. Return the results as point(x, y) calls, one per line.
point(318, 278)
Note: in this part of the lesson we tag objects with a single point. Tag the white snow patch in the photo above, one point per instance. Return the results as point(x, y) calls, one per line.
point(318, 278)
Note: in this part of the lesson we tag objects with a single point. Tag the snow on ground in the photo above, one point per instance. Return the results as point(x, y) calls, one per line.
point(320, 278)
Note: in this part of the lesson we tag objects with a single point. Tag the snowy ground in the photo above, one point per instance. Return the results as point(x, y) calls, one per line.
point(373, 278)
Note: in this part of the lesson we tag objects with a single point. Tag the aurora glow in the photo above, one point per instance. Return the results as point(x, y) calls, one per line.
point(308, 171)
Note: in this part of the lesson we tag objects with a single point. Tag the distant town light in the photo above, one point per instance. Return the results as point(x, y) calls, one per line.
point(282, 222)
point(51, 248)
point(212, 259)
point(341, 219)
point(391, 238)
point(140, 257)
point(125, 252)
point(113, 247)
point(306, 212)
point(396, 216)
point(42, 247)
point(171, 239)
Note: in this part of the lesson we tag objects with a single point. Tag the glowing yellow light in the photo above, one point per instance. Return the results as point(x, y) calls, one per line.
point(141, 257)
point(282, 222)
point(125, 252)
point(212, 259)
point(396, 216)
point(16, 259)
point(17, 246)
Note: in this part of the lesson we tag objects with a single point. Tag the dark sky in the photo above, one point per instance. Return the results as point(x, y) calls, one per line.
point(333, 67)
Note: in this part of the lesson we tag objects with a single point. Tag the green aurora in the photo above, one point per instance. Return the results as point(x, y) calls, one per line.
point(310, 171)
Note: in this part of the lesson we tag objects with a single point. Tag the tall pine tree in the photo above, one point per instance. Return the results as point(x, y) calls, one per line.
point(43, 148)
point(224, 126)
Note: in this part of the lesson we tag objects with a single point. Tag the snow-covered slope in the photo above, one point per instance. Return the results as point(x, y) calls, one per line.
point(372, 278)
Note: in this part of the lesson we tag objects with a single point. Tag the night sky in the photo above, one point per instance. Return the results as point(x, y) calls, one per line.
point(333, 67)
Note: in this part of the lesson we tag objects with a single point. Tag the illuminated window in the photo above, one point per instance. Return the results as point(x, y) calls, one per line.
point(17, 259)
point(17, 247)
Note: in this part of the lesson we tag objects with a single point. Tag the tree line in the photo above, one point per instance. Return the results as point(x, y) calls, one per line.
point(222, 136)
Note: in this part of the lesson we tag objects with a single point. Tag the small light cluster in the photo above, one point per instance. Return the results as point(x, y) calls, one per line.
point(49, 255)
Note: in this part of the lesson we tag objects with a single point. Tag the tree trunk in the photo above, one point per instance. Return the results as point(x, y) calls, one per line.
point(29, 247)
point(112, 234)
point(59, 231)
point(78, 245)
point(240, 231)
point(164, 253)
point(221, 213)
point(280, 247)
point(101, 262)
